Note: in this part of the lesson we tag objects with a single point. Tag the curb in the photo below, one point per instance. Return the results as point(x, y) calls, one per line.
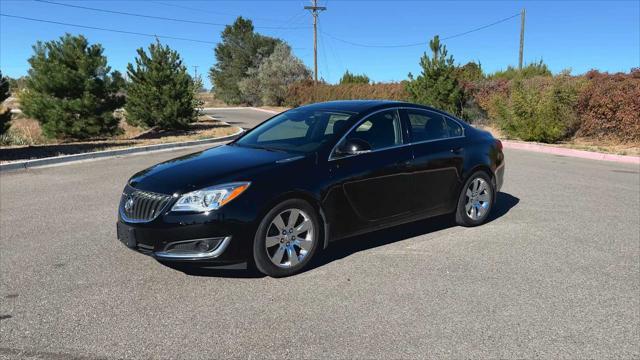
point(27, 164)
point(535, 147)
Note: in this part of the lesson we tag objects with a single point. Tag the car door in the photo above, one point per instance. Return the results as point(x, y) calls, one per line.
point(375, 184)
point(437, 145)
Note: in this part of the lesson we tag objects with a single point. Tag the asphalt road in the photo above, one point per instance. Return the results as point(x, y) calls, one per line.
point(245, 118)
point(555, 273)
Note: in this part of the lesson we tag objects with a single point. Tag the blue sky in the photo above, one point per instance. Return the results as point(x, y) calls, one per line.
point(580, 35)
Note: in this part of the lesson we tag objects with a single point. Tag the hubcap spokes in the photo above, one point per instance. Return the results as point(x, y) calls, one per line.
point(478, 196)
point(289, 238)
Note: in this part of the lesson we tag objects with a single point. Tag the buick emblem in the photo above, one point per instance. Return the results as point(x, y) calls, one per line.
point(128, 205)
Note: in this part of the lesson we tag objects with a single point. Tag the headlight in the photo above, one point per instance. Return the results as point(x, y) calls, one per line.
point(211, 198)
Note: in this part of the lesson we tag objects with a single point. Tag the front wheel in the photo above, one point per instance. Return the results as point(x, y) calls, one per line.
point(476, 200)
point(287, 238)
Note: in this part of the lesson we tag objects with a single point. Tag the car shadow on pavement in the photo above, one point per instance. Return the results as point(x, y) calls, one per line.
point(349, 246)
point(352, 245)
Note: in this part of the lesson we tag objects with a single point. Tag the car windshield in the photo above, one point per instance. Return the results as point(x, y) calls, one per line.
point(298, 130)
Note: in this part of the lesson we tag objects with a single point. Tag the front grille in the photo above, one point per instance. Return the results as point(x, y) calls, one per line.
point(142, 206)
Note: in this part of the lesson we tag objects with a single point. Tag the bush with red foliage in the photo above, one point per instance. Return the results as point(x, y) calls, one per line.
point(609, 107)
point(305, 92)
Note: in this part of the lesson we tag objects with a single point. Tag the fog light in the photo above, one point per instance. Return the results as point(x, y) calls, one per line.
point(202, 246)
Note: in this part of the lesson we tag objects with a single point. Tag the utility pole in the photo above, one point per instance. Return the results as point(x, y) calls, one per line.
point(521, 39)
point(315, 10)
point(195, 71)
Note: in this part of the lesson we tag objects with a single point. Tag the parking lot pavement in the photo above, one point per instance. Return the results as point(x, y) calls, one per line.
point(245, 118)
point(554, 274)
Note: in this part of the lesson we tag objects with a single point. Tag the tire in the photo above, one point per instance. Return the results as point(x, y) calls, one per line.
point(282, 248)
point(475, 203)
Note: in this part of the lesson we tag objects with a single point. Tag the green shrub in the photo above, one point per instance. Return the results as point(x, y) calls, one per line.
point(539, 109)
point(161, 93)
point(70, 90)
point(527, 72)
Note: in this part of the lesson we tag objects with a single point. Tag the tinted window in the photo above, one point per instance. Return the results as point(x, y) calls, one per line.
point(336, 123)
point(380, 130)
point(454, 128)
point(298, 130)
point(428, 125)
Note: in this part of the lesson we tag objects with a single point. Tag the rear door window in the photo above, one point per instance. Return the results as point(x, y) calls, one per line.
point(429, 125)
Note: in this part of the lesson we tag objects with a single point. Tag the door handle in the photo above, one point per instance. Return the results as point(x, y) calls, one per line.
point(404, 163)
point(457, 150)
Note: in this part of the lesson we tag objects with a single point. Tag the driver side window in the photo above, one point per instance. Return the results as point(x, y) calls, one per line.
point(380, 130)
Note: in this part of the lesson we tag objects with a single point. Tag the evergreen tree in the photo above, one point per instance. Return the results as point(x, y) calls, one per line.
point(349, 78)
point(240, 50)
point(5, 112)
point(161, 93)
point(69, 89)
point(437, 85)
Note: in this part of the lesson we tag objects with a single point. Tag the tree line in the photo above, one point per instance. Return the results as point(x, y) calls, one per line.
point(72, 92)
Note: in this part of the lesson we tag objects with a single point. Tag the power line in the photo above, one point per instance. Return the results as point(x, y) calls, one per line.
point(422, 43)
point(110, 30)
point(156, 17)
point(200, 10)
point(372, 45)
point(481, 27)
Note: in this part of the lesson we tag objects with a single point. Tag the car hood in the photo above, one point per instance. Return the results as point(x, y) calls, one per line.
point(195, 171)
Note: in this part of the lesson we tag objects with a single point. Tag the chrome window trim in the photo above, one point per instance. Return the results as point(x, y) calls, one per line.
point(331, 158)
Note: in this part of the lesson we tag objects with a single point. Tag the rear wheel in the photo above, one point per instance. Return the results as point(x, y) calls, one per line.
point(287, 238)
point(476, 200)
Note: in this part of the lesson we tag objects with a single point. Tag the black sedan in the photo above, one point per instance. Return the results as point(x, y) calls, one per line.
point(283, 191)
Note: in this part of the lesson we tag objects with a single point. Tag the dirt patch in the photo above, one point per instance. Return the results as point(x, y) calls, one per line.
point(209, 100)
point(204, 128)
point(601, 145)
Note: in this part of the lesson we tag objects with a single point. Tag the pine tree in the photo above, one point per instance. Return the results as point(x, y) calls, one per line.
point(437, 85)
point(240, 50)
point(161, 93)
point(349, 78)
point(5, 112)
point(69, 89)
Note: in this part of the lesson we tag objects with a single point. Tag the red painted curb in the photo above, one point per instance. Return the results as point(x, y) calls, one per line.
point(570, 152)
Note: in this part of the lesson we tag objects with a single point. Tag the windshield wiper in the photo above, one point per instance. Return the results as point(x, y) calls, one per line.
point(264, 148)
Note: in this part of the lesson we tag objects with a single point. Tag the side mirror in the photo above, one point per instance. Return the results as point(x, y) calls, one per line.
point(353, 147)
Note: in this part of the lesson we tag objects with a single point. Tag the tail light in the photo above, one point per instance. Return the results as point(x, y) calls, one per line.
point(499, 145)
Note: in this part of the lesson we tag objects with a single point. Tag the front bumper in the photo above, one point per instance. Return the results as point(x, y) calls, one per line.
point(212, 238)
point(182, 250)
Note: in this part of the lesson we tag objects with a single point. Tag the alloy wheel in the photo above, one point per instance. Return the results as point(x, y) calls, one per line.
point(478, 196)
point(289, 238)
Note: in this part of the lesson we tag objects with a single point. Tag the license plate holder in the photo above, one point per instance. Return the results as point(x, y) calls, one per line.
point(127, 235)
